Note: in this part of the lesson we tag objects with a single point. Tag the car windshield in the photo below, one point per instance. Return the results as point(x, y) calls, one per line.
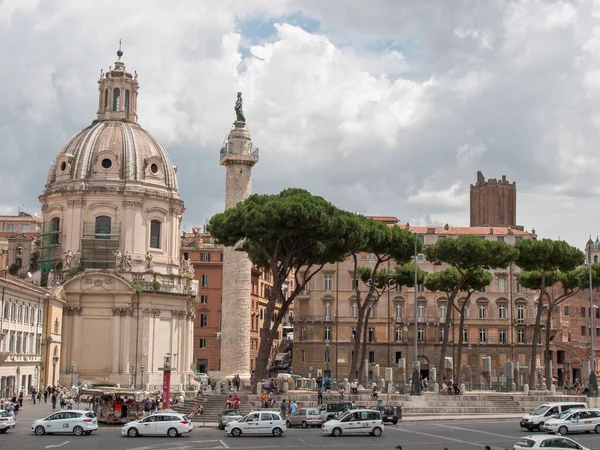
point(539, 410)
point(91, 415)
point(231, 412)
point(526, 443)
point(564, 414)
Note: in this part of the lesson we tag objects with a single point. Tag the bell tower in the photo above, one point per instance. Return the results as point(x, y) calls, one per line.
point(118, 92)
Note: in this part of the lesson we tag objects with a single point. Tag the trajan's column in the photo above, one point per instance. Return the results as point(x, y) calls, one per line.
point(238, 157)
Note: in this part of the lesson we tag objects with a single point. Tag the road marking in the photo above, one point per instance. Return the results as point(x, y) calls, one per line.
point(304, 442)
point(57, 445)
point(460, 441)
point(479, 431)
point(223, 444)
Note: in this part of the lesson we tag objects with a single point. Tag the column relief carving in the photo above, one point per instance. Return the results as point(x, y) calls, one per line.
point(179, 314)
point(154, 312)
point(72, 310)
point(123, 310)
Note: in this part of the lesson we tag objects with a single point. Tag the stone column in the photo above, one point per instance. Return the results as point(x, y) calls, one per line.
point(116, 341)
point(126, 340)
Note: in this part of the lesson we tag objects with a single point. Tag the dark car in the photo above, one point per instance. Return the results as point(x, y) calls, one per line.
point(388, 413)
point(329, 410)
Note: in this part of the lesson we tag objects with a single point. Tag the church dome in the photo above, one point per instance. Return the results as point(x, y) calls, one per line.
point(113, 150)
point(114, 154)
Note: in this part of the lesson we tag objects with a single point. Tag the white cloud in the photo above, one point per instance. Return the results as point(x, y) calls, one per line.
point(388, 109)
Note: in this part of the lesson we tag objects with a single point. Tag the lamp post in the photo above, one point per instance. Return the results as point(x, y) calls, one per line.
point(327, 357)
point(166, 391)
point(593, 381)
point(142, 377)
point(469, 370)
point(133, 376)
point(415, 388)
point(72, 372)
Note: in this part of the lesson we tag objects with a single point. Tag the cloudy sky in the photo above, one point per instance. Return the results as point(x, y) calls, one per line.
point(383, 107)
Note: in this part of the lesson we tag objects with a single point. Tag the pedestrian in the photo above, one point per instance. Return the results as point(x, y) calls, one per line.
point(45, 396)
point(21, 399)
point(283, 408)
point(398, 447)
point(53, 401)
point(39, 397)
point(319, 397)
point(17, 407)
point(293, 407)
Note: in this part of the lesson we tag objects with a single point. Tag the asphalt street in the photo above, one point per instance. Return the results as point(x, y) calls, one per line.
point(427, 435)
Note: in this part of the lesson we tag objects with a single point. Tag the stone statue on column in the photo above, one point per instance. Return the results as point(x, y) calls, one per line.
point(76, 259)
point(127, 260)
point(67, 259)
point(118, 259)
point(239, 112)
point(149, 265)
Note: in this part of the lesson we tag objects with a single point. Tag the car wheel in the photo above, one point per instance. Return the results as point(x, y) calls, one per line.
point(376, 431)
point(77, 431)
point(597, 429)
point(540, 426)
point(132, 432)
point(40, 430)
point(172, 432)
point(337, 432)
point(563, 430)
point(236, 432)
point(88, 432)
point(395, 422)
point(288, 424)
point(529, 428)
point(304, 424)
point(3, 431)
point(277, 432)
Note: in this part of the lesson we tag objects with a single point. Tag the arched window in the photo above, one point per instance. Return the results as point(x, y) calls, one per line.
point(55, 231)
point(105, 98)
point(154, 234)
point(102, 229)
point(595, 258)
point(127, 103)
point(116, 99)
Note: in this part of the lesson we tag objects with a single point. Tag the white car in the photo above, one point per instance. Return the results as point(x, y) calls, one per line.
point(575, 421)
point(170, 424)
point(257, 422)
point(73, 421)
point(355, 421)
point(547, 442)
point(7, 421)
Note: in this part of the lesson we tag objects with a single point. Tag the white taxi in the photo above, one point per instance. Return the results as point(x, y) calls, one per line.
point(257, 422)
point(575, 421)
point(73, 421)
point(170, 424)
point(355, 421)
point(7, 421)
point(547, 442)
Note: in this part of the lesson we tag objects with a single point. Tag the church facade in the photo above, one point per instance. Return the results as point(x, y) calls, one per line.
point(110, 238)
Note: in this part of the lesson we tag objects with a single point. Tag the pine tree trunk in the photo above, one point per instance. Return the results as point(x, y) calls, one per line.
point(363, 349)
point(536, 332)
point(357, 339)
point(460, 342)
point(548, 358)
point(441, 369)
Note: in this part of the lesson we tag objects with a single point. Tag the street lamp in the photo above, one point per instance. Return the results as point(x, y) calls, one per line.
point(72, 372)
point(133, 376)
point(54, 363)
point(593, 381)
point(415, 388)
point(469, 370)
point(142, 377)
point(327, 356)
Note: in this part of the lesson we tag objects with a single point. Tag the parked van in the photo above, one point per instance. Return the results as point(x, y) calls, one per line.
point(536, 419)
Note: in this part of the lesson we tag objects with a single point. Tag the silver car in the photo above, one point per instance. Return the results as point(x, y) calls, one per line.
point(305, 418)
point(229, 415)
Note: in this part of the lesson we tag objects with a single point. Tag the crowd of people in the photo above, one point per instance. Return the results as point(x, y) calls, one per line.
point(57, 395)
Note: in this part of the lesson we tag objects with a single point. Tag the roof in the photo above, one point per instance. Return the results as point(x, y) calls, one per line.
point(385, 219)
point(456, 231)
point(20, 219)
point(7, 279)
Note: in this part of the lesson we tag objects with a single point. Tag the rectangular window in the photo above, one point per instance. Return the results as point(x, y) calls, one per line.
point(521, 313)
point(519, 288)
point(27, 314)
point(421, 334)
point(582, 311)
point(40, 316)
point(371, 256)
point(354, 310)
point(420, 288)
point(24, 228)
point(204, 280)
point(19, 337)
point(154, 234)
point(502, 336)
point(203, 320)
point(38, 344)
point(327, 334)
point(482, 335)
point(521, 336)
point(501, 311)
point(482, 311)
point(303, 334)
point(371, 357)
point(354, 284)
point(353, 334)
point(204, 299)
point(566, 310)
point(597, 332)
point(465, 335)
point(443, 310)
point(202, 343)
point(420, 257)
point(398, 308)
point(502, 284)
point(421, 311)
point(583, 330)
point(205, 256)
point(372, 311)
point(11, 344)
point(500, 238)
point(398, 334)
point(398, 357)
point(327, 311)
point(328, 282)
point(442, 334)
point(303, 355)
point(518, 239)
point(371, 334)
point(327, 355)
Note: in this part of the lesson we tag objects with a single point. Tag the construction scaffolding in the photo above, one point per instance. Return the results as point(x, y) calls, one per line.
point(49, 248)
point(98, 245)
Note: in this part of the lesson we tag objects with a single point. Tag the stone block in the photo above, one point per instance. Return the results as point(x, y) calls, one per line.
point(389, 374)
point(526, 389)
point(553, 389)
point(436, 388)
point(462, 387)
point(313, 384)
point(286, 386)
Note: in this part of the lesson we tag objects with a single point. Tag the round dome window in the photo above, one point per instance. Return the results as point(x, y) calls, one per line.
point(63, 166)
point(106, 163)
point(154, 168)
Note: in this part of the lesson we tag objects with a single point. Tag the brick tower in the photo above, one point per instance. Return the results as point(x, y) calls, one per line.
point(493, 203)
point(238, 157)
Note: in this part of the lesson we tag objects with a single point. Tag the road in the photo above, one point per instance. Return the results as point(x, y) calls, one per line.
point(430, 435)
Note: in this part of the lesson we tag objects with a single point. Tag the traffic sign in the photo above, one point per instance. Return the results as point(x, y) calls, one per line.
point(78, 383)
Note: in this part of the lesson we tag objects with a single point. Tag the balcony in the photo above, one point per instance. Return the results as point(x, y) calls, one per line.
point(304, 294)
point(314, 318)
point(173, 284)
point(399, 319)
point(424, 320)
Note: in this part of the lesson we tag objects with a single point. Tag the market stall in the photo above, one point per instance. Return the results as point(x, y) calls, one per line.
point(115, 405)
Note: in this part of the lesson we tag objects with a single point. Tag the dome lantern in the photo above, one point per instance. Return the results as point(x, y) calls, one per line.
point(118, 92)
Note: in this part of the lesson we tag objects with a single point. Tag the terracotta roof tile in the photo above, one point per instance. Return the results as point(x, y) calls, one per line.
point(455, 231)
